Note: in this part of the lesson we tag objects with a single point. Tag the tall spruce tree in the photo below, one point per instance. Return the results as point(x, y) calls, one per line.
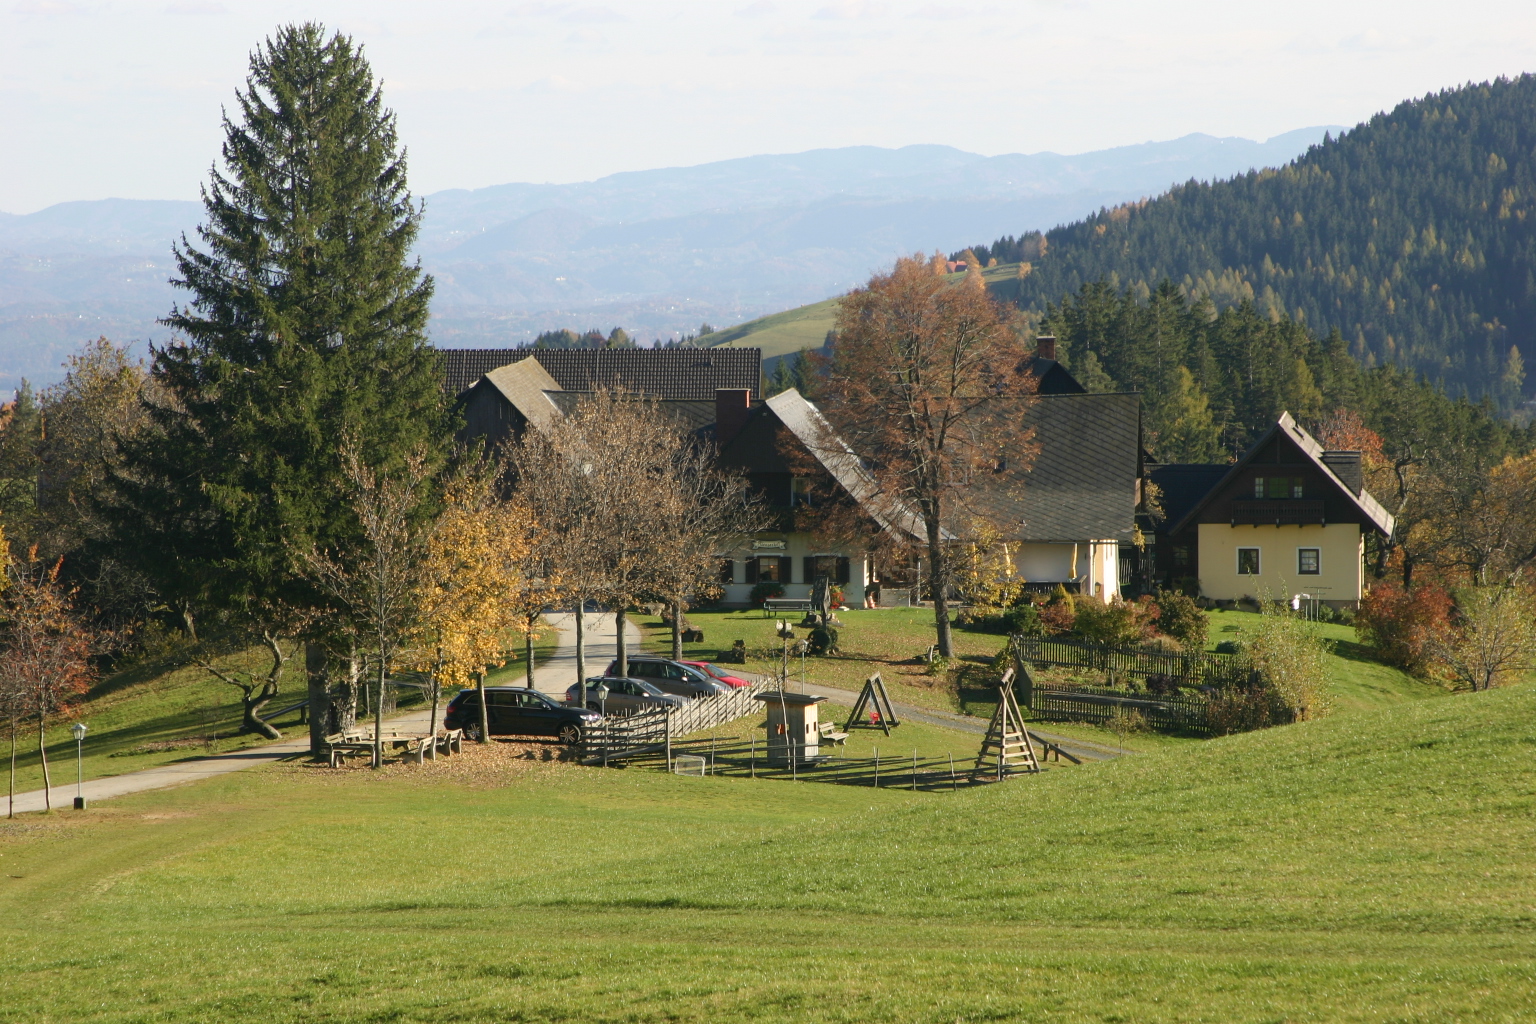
point(306, 325)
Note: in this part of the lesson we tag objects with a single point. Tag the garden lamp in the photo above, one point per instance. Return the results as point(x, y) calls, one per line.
point(79, 733)
point(602, 698)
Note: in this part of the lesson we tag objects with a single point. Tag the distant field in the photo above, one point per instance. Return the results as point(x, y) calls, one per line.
point(1373, 867)
point(786, 333)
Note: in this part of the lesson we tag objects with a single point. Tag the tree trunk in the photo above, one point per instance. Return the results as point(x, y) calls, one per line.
point(528, 651)
point(677, 630)
point(319, 698)
point(252, 721)
point(581, 652)
point(188, 624)
point(351, 688)
point(11, 810)
point(619, 618)
point(437, 668)
point(42, 752)
point(485, 715)
point(938, 580)
point(378, 716)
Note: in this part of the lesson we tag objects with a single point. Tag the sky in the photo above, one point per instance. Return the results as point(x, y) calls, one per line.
point(104, 99)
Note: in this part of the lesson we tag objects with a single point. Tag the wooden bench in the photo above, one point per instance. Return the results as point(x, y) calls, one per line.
point(342, 745)
point(449, 742)
point(830, 733)
point(786, 604)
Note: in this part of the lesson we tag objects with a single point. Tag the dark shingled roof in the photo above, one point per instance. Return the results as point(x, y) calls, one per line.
point(673, 374)
point(1082, 483)
point(1183, 485)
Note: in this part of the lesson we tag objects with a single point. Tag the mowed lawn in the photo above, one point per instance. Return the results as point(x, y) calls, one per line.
point(1376, 866)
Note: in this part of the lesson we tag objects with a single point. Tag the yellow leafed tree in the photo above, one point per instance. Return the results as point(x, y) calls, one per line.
point(474, 581)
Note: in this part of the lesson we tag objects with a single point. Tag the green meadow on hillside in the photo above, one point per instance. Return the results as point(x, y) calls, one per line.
point(1376, 866)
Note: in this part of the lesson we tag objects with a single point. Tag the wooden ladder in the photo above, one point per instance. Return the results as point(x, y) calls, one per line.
point(1006, 749)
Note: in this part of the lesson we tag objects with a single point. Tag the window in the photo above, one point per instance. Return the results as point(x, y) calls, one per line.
point(1276, 488)
point(1181, 559)
point(800, 492)
point(1309, 561)
point(727, 570)
point(1247, 561)
point(771, 567)
point(834, 567)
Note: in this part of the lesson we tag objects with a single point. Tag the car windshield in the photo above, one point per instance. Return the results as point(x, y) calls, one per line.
point(646, 687)
point(716, 671)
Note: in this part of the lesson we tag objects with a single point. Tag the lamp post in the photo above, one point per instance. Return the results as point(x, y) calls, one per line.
point(602, 709)
point(79, 732)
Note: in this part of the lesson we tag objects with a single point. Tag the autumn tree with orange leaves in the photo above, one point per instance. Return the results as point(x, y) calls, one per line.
point(927, 385)
point(44, 654)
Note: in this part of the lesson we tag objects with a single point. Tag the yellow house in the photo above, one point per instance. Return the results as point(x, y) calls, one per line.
point(1287, 520)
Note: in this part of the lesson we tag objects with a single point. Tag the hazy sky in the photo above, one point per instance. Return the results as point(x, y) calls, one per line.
point(110, 98)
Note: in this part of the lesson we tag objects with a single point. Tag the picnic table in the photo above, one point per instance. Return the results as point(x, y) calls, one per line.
point(786, 604)
point(342, 745)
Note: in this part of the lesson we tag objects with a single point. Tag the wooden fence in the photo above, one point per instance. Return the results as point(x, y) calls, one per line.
point(1179, 668)
point(1163, 705)
point(626, 736)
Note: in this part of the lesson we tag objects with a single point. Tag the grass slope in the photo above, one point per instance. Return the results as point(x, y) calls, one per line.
point(783, 334)
point(1373, 867)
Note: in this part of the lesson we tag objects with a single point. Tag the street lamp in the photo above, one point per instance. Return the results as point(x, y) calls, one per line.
point(602, 709)
point(79, 731)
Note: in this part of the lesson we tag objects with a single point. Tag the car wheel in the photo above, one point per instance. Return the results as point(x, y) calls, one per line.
point(570, 734)
point(592, 705)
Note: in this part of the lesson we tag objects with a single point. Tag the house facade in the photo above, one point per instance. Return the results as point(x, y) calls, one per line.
point(1065, 504)
point(1287, 520)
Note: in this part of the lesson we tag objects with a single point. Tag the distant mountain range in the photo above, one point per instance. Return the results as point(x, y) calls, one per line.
point(654, 251)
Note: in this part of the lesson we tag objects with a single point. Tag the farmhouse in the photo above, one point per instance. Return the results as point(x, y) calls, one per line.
point(1287, 519)
point(1067, 508)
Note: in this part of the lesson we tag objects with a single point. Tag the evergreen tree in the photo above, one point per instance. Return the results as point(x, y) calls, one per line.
point(305, 325)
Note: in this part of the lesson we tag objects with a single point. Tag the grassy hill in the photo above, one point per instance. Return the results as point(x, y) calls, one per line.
point(1375, 866)
point(786, 333)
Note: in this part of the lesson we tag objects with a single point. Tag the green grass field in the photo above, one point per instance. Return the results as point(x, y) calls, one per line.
point(785, 333)
point(887, 641)
point(1376, 866)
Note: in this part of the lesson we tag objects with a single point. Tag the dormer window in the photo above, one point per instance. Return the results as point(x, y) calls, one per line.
point(800, 492)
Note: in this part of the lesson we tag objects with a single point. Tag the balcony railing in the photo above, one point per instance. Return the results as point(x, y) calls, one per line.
point(1291, 511)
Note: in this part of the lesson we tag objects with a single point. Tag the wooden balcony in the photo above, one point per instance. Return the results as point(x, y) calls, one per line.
point(1286, 511)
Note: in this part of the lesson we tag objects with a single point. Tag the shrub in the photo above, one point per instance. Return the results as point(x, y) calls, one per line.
point(823, 640)
point(1060, 615)
point(1403, 624)
point(1182, 619)
point(1291, 660)
point(1117, 623)
point(764, 590)
point(1245, 709)
point(1493, 640)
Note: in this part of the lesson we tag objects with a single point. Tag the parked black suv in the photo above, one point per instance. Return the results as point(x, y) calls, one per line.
point(517, 711)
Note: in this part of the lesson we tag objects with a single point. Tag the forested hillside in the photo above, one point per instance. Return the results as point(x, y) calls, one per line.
point(1414, 235)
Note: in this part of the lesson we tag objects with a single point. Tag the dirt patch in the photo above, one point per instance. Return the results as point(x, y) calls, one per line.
point(487, 766)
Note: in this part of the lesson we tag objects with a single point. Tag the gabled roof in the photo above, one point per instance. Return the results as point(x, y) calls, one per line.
point(675, 374)
point(1184, 485)
point(690, 415)
point(1368, 506)
point(811, 429)
point(1081, 484)
point(524, 384)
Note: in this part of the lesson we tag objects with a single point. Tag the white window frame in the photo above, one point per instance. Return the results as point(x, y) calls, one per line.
point(1318, 552)
point(1258, 562)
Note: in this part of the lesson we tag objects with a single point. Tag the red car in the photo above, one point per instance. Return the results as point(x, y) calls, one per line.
point(716, 672)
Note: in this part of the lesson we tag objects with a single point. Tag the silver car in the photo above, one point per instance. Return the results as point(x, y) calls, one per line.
point(625, 695)
point(670, 677)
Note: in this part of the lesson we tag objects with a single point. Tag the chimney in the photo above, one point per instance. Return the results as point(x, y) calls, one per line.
point(1346, 466)
point(732, 406)
point(1045, 347)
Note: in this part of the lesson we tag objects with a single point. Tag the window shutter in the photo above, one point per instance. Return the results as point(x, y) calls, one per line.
point(842, 570)
point(786, 568)
point(751, 570)
point(809, 562)
point(727, 570)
